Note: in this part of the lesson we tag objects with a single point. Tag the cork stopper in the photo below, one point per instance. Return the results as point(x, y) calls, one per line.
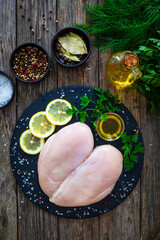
point(130, 60)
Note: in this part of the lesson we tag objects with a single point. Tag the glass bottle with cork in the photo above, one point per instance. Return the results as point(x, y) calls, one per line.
point(122, 68)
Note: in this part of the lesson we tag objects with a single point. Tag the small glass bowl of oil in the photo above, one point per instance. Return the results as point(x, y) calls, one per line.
point(112, 128)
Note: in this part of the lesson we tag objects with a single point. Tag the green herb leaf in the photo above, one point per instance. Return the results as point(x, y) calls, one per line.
point(136, 22)
point(135, 137)
point(103, 117)
point(149, 83)
point(85, 101)
point(99, 108)
point(131, 147)
point(83, 116)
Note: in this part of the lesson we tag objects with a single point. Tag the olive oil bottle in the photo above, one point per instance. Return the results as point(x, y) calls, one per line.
point(122, 68)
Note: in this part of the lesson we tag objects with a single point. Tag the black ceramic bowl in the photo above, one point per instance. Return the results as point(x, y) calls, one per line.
point(23, 46)
point(11, 86)
point(62, 33)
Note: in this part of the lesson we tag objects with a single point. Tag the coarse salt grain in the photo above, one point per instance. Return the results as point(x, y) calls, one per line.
point(6, 90)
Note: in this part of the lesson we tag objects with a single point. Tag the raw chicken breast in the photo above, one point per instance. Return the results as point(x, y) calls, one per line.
point(93, 180)
point(63, 152)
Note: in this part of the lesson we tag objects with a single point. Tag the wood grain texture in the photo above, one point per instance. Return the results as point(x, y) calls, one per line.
point(8, 203)
point(124, 221)
point(86, 74)
point(150, 184)
point(138, 217)
point(40, 17)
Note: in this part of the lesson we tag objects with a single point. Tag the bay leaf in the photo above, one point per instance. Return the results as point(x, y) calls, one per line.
point(78, 37)
point(72, 45)
point(69, 55)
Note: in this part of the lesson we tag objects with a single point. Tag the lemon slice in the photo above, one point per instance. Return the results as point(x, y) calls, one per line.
point(56, 112)
point(30, 144)
point(40, 126)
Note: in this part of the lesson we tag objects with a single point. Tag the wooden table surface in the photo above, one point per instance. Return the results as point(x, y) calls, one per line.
point(138, 217)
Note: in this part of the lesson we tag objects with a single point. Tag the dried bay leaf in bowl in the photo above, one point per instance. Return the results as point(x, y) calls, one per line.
point(79, 38)
point(69, 55)
point(72, 45)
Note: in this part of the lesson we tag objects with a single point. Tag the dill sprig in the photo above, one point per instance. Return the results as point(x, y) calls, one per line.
point(122, 24)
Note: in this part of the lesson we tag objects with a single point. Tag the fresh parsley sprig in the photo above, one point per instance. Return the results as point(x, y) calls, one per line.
point(149, 83)
point(96, 109)
point(105, 102)
point(131, 147)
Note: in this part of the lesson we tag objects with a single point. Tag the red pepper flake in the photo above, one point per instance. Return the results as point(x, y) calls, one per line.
point(23, 69)
point(33, 79)
point(26, 72)
point(40, 200)
point(121, 194)
point(36, 63)
point(90, 213)
point(124, 190)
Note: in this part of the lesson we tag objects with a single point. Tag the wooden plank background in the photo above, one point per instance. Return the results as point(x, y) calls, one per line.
point(138, 217)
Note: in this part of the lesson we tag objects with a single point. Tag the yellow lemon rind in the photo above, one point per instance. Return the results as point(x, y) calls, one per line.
point(57, 122)
point(24, 149)
point(40, 135)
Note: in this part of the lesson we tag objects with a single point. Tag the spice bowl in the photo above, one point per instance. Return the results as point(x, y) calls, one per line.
point(7, 89)
point(29, 62)
point(63, 53)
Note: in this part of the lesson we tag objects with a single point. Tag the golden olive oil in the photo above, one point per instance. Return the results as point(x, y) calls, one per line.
point(110, 129)
point(122, 69)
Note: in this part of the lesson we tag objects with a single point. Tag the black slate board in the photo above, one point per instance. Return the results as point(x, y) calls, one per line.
point(25, 166)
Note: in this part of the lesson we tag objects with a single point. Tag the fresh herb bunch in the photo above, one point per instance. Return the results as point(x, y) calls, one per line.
point(105, 102)
point(131, 147)
point(122, 24)
point(149, 83)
